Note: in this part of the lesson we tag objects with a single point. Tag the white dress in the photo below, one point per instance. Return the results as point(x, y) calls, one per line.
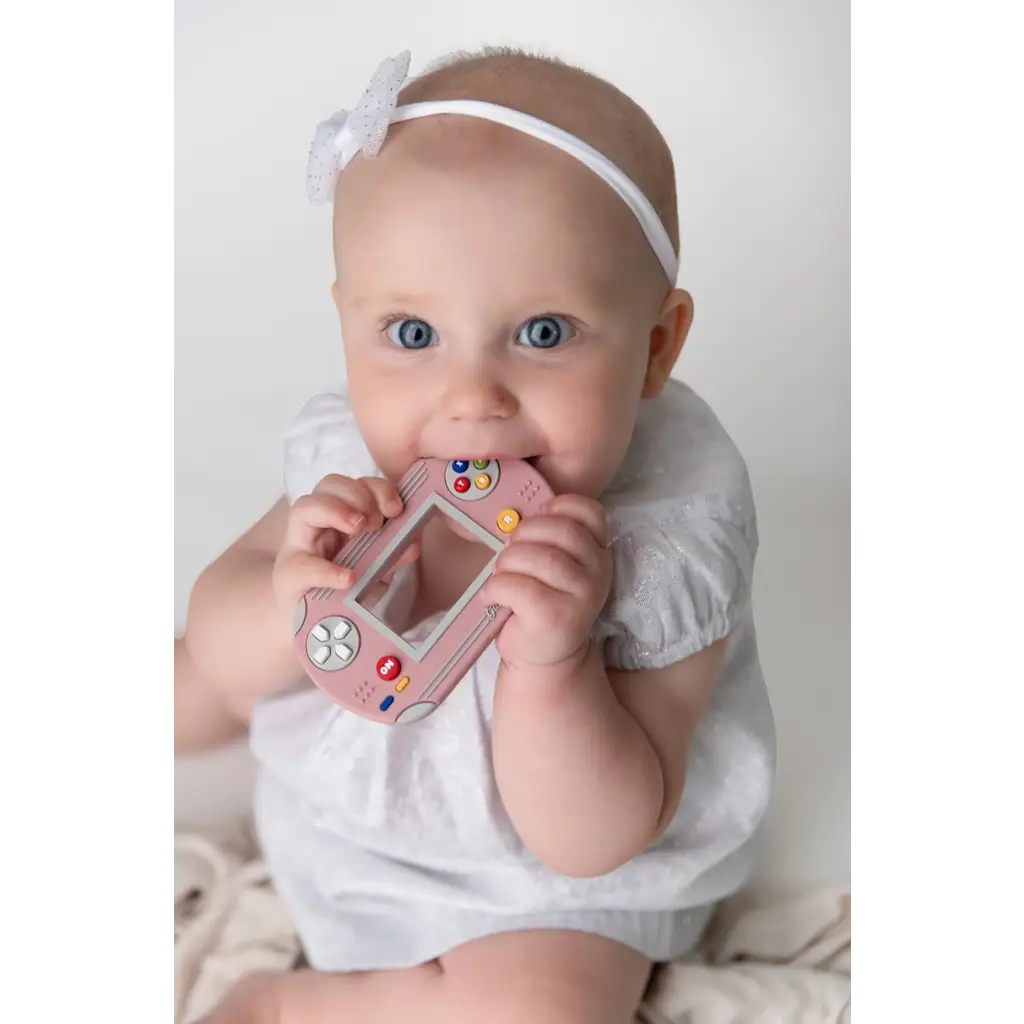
point(390, 845)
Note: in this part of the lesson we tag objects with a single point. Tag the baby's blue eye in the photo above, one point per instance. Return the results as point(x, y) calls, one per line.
point(545, 332)
point(412, 333)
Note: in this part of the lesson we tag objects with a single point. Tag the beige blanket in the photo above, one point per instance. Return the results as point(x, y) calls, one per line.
point(767, 958)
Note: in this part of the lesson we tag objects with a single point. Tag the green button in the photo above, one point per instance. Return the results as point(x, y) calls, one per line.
point(481, 463)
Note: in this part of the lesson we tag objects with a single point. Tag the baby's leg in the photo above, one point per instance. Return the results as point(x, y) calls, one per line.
point(538, 977)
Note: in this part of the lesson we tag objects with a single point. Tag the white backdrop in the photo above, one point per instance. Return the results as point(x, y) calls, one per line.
point(753, 97)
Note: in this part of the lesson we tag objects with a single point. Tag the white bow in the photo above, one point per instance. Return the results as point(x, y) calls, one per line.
point(361, 130)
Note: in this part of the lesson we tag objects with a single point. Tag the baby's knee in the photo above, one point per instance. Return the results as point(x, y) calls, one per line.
point(537, 1009)
point(543, 978)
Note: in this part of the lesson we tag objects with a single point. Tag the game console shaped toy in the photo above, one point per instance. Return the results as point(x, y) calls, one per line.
point(353, 656)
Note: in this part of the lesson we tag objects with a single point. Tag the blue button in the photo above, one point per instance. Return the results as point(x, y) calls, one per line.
point(387, 702)
point(460, 465)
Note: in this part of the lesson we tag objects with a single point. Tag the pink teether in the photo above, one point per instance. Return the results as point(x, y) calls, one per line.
point(354, 657)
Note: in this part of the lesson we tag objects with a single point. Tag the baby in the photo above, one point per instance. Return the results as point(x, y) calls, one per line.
point(506, 285)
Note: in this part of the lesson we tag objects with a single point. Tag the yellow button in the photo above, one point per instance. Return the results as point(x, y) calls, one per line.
point(483, 481)
point(508, 520)
point(402, 683)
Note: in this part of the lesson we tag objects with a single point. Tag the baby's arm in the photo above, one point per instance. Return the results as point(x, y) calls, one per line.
point(237, 645)
point(591, 763)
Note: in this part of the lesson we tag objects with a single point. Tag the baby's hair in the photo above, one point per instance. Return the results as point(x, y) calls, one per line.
point(569, 97)
point(512, 53)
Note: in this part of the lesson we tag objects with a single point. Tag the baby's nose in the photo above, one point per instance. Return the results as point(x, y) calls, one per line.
point(475, 394)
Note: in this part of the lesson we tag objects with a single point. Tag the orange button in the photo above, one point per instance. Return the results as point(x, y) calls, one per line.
point(483, 481)
point(402, 684)
point(508, 520)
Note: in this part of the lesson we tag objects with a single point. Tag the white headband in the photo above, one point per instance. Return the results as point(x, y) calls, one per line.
point(363, 130)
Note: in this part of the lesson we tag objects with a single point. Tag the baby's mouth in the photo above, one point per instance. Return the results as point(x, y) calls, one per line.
point(474, 462)
point(533, 460)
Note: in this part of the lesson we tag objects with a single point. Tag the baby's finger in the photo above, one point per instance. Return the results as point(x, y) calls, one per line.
point(385, 495)
point(586, 511)
point(548, 565)
point(314, 513)
point(522, 595)
point(411, 553)
point(559, 531)
point(408, 556)
point(300, 571)
point(354, 493)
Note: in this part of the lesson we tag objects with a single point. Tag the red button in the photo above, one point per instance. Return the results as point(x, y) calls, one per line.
point(389, 667)
point(462, 484)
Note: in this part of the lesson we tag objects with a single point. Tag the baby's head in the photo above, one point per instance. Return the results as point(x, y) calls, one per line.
point(497, 298)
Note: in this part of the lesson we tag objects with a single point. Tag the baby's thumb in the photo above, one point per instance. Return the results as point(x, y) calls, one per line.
point(408, 556)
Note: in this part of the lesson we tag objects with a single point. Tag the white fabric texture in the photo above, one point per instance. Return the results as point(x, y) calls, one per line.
point(363, 130)
point(391, 845)
point(765, 958)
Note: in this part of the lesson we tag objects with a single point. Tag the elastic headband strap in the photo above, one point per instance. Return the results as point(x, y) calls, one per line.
point(630, 194)
point(365, 127)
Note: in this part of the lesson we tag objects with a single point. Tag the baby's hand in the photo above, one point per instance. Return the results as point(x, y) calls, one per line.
point(555, 576)
point(318, 525)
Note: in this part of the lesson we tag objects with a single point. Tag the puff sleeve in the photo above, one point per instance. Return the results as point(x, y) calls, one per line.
point(683, 578)
point(321, 440)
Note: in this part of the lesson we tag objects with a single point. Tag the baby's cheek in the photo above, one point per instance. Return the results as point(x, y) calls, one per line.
point(386, 432)
point(596, 413)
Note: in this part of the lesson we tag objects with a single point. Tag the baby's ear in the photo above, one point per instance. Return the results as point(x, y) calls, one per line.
point(668, 336)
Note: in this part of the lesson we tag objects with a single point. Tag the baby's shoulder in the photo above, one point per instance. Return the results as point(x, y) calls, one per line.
point(322, 439)
point(683, 533)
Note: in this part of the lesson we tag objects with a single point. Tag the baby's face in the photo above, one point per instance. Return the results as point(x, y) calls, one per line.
point(492, 306)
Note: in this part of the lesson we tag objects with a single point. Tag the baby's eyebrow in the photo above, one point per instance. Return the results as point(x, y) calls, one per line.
point(585, 305)
point(395, 300)
point(569, 303)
